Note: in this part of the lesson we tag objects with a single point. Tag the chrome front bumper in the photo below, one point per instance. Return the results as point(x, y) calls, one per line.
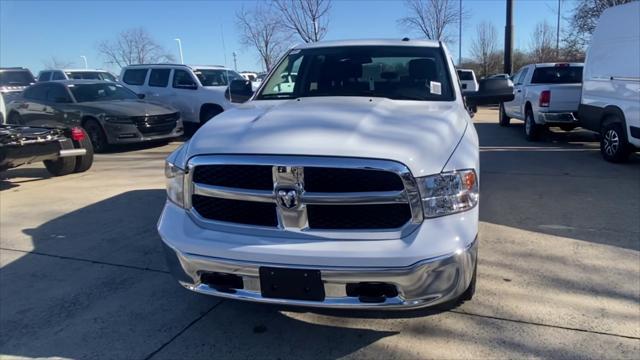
point(428, 282)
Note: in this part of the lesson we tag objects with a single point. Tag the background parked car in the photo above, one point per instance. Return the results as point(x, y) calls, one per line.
point(545, 95)
point(75, 74)
point(198, 92)
point(63, 151)
point(109, 112)
point(610, 101)
point(15, 79)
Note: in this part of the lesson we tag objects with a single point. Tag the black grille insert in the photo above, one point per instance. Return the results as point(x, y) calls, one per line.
point(156, 124)
point(320, 179)
point(255, 177)
point(236, 211)
point(383, 216)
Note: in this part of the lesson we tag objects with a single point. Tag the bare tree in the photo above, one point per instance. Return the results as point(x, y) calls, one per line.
point(541, 46)
point(263, 30)
point(432, 18)
point(55, 63)
point(307, 18)
point(484, 47)
point(133, 46)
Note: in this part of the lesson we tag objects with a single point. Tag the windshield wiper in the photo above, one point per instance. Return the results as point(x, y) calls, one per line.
point(406, 97)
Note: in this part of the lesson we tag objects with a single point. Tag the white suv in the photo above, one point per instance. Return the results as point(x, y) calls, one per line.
point(197, 91)
point(355, 187)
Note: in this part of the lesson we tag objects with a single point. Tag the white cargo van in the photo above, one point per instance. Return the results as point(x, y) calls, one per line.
point(610, 101)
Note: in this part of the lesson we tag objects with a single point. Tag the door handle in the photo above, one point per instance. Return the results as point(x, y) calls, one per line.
point(519, 90)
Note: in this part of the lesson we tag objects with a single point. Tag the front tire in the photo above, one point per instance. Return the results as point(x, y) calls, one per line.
point(96, 135)
point(531, 129)
point(503, 120)
point(614, 146)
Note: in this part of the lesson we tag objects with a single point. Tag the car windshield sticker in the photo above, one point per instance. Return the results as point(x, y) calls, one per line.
point(435, 87)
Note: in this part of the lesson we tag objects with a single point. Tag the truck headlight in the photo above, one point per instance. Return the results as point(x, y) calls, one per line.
point(448, 192)
point(175, 183)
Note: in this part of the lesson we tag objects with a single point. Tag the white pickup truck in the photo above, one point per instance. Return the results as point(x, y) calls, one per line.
point(544, 95)
point(348, 180)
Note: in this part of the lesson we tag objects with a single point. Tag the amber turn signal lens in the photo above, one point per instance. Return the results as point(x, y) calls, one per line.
point(469, 180)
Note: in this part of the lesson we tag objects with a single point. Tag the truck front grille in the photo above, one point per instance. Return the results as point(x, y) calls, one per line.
point(304, 193)
point(383, 216)
point(236, 211)
point(256, 177)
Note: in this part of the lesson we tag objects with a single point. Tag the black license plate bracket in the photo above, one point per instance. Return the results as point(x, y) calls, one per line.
point(291, 284)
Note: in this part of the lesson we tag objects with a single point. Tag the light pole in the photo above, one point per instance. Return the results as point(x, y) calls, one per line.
point(460, 36)
point(508, 38)
point(558, 32)
point(235, 61)
point(86, 65)
point(180, 49)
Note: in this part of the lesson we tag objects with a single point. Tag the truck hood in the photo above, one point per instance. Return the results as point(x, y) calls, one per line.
point(419, 134)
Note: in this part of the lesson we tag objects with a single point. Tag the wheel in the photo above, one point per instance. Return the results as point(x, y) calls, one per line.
point(531, 129)
point(567, 127)
point(83, 163)
point(614, 146)
point(96, 135)
point(61, 166)
point(503, 119)
point(14, 119)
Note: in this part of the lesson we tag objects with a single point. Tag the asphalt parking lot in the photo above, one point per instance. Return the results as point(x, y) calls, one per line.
point(83, 275)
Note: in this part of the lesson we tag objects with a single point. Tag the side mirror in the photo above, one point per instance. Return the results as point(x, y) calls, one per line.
point(141, 96)
point(239, 91)
point(490, 91)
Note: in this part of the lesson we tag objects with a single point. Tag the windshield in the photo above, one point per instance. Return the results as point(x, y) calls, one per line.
point(557, 75)
point(394, 72)
point(16, 78)
point(90, 75)
point(216, 77)
point(101, 92)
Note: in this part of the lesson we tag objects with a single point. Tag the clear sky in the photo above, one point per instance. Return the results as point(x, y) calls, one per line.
point(31, 32)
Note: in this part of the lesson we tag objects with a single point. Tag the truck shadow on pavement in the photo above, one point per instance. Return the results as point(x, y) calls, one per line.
point(95, 285)
point(30, 174)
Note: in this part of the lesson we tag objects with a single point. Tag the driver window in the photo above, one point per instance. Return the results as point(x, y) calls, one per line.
point(57, 94)
point(284, 81)
point(182, 79)
point(523, 75)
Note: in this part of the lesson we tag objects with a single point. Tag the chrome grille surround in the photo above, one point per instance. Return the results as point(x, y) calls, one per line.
point(288, 174)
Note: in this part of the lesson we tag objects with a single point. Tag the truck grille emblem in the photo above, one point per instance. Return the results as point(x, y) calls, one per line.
point(288, 199)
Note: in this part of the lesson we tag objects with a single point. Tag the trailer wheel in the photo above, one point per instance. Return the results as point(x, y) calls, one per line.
point(61, 166)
